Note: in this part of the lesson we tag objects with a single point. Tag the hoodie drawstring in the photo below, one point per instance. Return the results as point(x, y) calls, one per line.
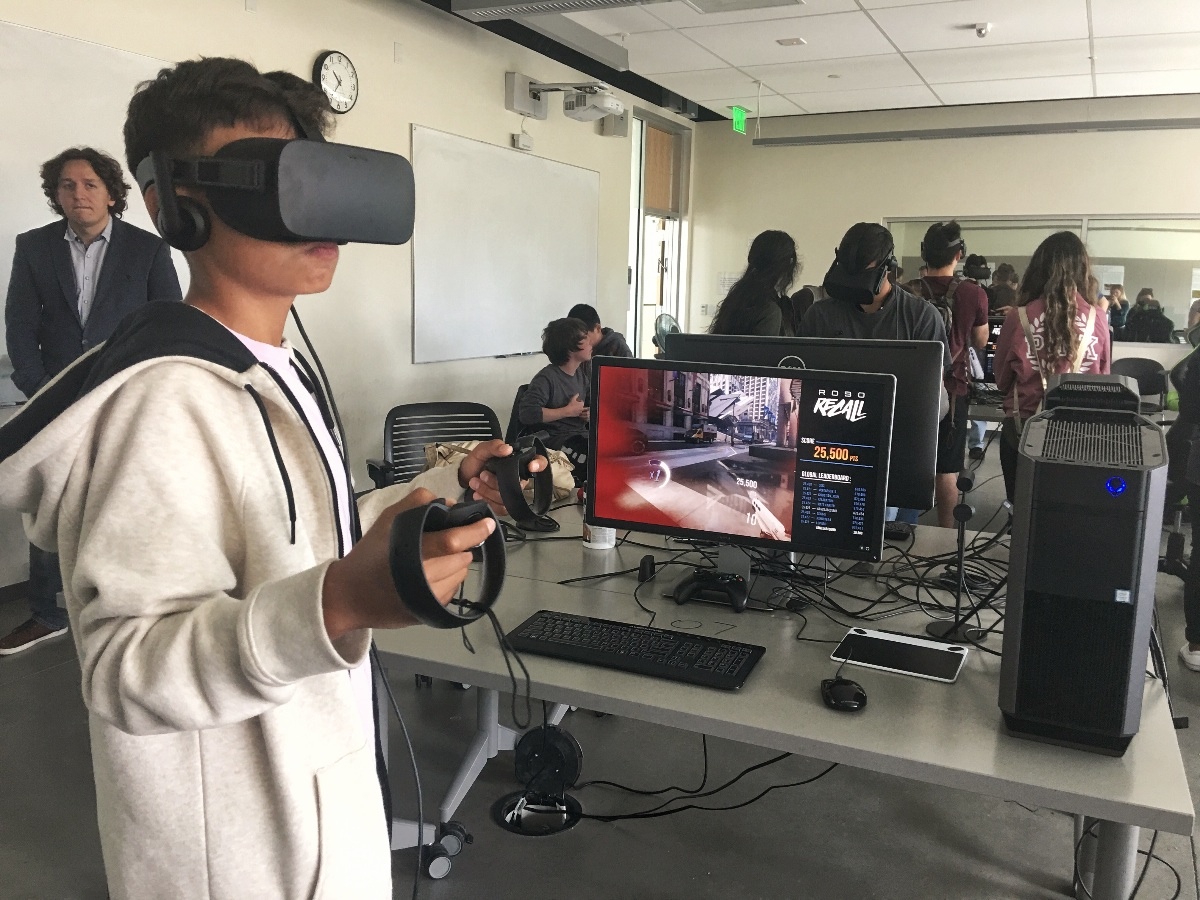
point(287, 483)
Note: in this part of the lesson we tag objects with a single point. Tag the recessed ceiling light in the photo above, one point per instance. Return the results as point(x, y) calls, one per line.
point(791, 42)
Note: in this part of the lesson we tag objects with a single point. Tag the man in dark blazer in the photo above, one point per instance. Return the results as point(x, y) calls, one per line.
point(72, 282)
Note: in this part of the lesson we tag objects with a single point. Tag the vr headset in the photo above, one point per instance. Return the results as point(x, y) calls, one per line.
point(282, 190)
point(841, 283)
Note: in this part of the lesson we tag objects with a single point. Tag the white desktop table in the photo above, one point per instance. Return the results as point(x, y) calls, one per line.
point(939, 734)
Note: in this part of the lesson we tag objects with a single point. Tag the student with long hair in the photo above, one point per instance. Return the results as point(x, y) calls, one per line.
point(1055, 328)
point(758, 303)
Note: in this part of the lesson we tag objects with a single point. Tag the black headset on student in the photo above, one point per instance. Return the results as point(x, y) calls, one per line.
point(285, 190)
point(843, 283)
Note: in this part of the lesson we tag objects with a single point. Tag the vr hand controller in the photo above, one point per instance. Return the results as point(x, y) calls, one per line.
point(404, 559)
point(511, 470)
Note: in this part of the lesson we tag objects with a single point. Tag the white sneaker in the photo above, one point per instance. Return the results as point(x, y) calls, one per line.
point(1191, 658)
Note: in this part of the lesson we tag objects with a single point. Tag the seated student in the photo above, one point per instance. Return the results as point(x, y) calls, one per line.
point(891, 314)
point(605, 341)
point(1056, 328)
point(188, 476)
point(758, 303)
point(557, 396)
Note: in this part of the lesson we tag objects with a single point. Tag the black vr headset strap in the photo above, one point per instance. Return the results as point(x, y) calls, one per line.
point(408, 574)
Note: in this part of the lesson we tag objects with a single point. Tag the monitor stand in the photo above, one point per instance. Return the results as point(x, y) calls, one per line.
point(728, 582)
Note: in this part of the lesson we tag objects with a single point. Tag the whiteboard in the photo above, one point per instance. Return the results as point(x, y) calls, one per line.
point(59, 92)
point(503, 243)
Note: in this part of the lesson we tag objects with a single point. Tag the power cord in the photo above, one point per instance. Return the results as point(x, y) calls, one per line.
point(647, 793)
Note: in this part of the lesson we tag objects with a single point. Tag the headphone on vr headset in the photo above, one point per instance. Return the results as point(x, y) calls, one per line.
point(183, 221)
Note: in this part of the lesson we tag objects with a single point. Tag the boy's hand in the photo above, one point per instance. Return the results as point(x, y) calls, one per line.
point(574, 408)
point(359, 591)
point(471, 473)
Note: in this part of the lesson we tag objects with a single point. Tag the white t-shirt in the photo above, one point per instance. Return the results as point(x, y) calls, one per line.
point(281, 362)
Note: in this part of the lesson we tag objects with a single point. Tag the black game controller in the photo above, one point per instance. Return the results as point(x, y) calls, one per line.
point(511, 470)
point(404, 559)
point(709, 584)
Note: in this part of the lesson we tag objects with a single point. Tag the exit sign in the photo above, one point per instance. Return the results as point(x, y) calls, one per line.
point(739, 119)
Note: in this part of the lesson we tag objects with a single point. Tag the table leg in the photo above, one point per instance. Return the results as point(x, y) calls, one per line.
point(1112, 853)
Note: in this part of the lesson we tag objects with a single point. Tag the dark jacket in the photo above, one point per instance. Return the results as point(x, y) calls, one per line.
point(1148, 325)
point(42, 317)
point(612, 344)
point(763, 316)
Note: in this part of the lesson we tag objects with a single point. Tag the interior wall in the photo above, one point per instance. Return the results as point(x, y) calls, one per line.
point(816, 193)
point(415, 65)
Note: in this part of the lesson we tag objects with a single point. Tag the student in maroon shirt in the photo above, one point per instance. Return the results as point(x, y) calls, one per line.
point(1055, 328)
point(964, 308)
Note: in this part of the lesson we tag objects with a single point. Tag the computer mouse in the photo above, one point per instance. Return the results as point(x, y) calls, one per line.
point(843, 694)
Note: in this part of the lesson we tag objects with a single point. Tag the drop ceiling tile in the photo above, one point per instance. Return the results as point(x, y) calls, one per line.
point(680, 15)
point(859, 73)
point(711, 84)
point(941, 26)
point(652, 52)
point(772, 105)
point(1015, 90)
point(1112, 18)
point(999, 61)
point(1125, 84)
point(623, 20)
point(828, 37)
point(876, 98)
point(1148, 53)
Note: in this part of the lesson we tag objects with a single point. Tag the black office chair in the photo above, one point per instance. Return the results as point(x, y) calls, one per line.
point(1151, 380)
point(515, 428)
point(411, 426)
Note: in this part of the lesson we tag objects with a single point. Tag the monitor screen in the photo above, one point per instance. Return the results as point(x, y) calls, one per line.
point(995, 323)
point(744, 455)
point(917, 366)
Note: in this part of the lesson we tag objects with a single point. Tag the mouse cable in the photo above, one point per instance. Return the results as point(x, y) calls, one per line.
point(659, 813)
point(413, 759)
point(599, 577)
point(599, 782)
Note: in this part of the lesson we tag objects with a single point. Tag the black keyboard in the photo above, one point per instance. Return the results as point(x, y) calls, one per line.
point(673, 655)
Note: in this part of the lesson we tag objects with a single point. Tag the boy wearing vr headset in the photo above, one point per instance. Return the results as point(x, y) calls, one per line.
point(864, 303)
point(190, 476)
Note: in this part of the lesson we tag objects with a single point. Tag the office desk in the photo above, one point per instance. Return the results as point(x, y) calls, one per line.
point(935, 733)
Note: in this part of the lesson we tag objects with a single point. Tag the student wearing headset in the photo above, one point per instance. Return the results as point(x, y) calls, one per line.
point(190, 476)
point(875, 309)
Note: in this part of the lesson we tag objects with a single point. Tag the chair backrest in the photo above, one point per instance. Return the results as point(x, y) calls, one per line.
point(1148, 373)
point(514, 418)
point(409, 427)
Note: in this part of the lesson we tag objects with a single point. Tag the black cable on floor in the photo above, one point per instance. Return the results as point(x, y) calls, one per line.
point(645, 793)
point(412, 756)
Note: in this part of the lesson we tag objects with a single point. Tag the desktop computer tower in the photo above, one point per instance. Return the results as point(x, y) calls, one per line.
point(1087, 514)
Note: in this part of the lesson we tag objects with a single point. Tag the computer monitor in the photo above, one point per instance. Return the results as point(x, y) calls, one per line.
point(988, 360)
point(775, 458)
point(917, 366)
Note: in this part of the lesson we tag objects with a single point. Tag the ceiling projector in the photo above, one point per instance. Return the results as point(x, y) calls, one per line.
point(588, 107)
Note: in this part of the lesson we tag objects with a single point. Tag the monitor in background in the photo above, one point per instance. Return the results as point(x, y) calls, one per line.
point(995, 323)
point(917, 366)
point(744, 456)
